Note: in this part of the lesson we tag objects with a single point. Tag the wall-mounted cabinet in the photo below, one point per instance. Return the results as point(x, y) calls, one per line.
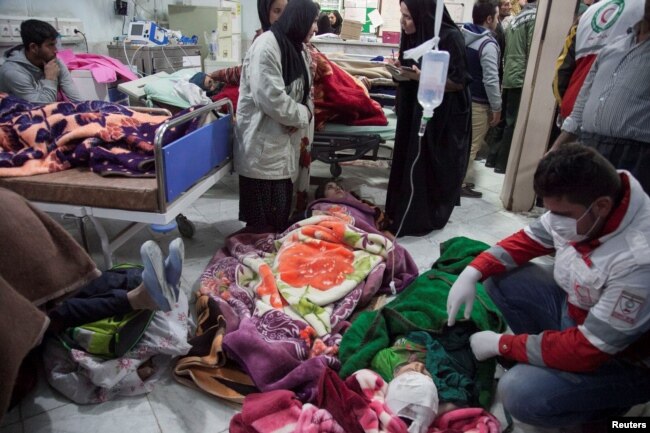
point(202, 20)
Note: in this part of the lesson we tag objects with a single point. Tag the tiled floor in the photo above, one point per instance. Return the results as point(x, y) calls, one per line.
point(174, 408)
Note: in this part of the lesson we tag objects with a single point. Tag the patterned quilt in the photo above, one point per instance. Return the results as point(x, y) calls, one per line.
point(109, 138)
point(291, 294)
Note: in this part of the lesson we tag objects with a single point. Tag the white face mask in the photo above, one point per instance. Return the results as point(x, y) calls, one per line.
point(567, 227)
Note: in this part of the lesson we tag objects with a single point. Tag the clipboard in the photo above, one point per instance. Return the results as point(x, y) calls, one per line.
point(402, 73)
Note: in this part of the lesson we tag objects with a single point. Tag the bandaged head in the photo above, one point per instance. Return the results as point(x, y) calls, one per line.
point(414, 396)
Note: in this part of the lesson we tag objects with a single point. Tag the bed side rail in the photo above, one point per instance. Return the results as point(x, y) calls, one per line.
point(151, 110)
point(203, 137)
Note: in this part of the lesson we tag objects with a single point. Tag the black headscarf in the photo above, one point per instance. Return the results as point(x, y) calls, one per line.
point(290, 30)
point(423, 13)
point(263, 11)
point(324, 25)
point(339, 22)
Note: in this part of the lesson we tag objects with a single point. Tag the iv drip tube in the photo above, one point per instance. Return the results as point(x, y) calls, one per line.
point(427, 114)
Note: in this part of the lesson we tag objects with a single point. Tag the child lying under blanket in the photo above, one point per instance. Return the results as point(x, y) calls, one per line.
point(287, 297)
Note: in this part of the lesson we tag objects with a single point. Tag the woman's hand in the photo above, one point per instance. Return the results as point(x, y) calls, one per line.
point(292, 129)
point(412, 73)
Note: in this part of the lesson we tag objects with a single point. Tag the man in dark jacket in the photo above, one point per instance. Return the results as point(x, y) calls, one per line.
point(483, 57)
point(519, 37)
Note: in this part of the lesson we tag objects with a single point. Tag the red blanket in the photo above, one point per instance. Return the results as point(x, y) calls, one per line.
point(338, 96)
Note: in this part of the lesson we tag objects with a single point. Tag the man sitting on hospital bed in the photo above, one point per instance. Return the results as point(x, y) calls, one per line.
point(32, 71)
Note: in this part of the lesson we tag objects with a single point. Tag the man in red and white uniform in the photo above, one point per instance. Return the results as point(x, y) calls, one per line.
point(581, 326)
point(601, 24)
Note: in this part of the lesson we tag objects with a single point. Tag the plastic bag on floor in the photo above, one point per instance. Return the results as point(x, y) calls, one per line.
point(85, 378)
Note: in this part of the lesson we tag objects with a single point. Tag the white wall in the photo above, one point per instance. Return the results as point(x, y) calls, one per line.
point(101, 24)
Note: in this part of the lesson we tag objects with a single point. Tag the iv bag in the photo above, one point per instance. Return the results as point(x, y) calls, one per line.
point(433, 77)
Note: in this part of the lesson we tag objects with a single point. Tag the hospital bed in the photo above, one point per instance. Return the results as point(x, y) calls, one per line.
point(185, 169)
point(334, 144)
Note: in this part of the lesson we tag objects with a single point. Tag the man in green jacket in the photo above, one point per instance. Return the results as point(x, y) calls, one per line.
point(519, 36)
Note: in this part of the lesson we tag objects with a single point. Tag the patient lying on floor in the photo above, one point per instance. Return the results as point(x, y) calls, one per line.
point(332, 198)
point(40, 263)
point(287, 297)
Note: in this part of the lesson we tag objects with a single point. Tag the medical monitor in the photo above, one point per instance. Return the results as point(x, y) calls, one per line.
point(147, 32)
point(136, 29)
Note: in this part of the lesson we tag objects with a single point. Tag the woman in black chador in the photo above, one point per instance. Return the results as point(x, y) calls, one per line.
point(439, 172)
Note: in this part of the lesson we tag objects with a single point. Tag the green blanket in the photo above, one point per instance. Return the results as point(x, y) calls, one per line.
point(422, 307)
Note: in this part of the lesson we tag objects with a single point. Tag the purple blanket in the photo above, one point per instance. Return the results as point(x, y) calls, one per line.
point(287, 297)
point(109, 138)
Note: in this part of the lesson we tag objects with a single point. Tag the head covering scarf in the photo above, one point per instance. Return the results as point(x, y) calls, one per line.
point(290, 30)
point(423, 13)
point(199, 80)
point(263, 11)
point(324, 25)
point(339, 22)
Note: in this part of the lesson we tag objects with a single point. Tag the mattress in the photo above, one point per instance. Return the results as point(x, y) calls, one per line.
point(386, 132)
point(82, 187)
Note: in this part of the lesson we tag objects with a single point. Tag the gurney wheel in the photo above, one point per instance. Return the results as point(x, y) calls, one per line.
point(336, 170)
point(185, 226)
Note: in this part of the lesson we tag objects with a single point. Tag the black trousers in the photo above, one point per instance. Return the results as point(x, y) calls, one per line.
point(511, 98)
point(101, 298)
point(624, 154)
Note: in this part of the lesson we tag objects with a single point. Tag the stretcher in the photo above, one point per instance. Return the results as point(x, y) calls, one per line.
point(337, 143)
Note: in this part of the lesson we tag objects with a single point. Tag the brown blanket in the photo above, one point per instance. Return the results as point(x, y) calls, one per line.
point(206, 367)
point(39, 261)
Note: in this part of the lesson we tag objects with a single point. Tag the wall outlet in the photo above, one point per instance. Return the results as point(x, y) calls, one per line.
point(66, 26)
point(10, 28)
point(121, 7)
point(7, 21)
point(72, 23)
point(15, 30)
